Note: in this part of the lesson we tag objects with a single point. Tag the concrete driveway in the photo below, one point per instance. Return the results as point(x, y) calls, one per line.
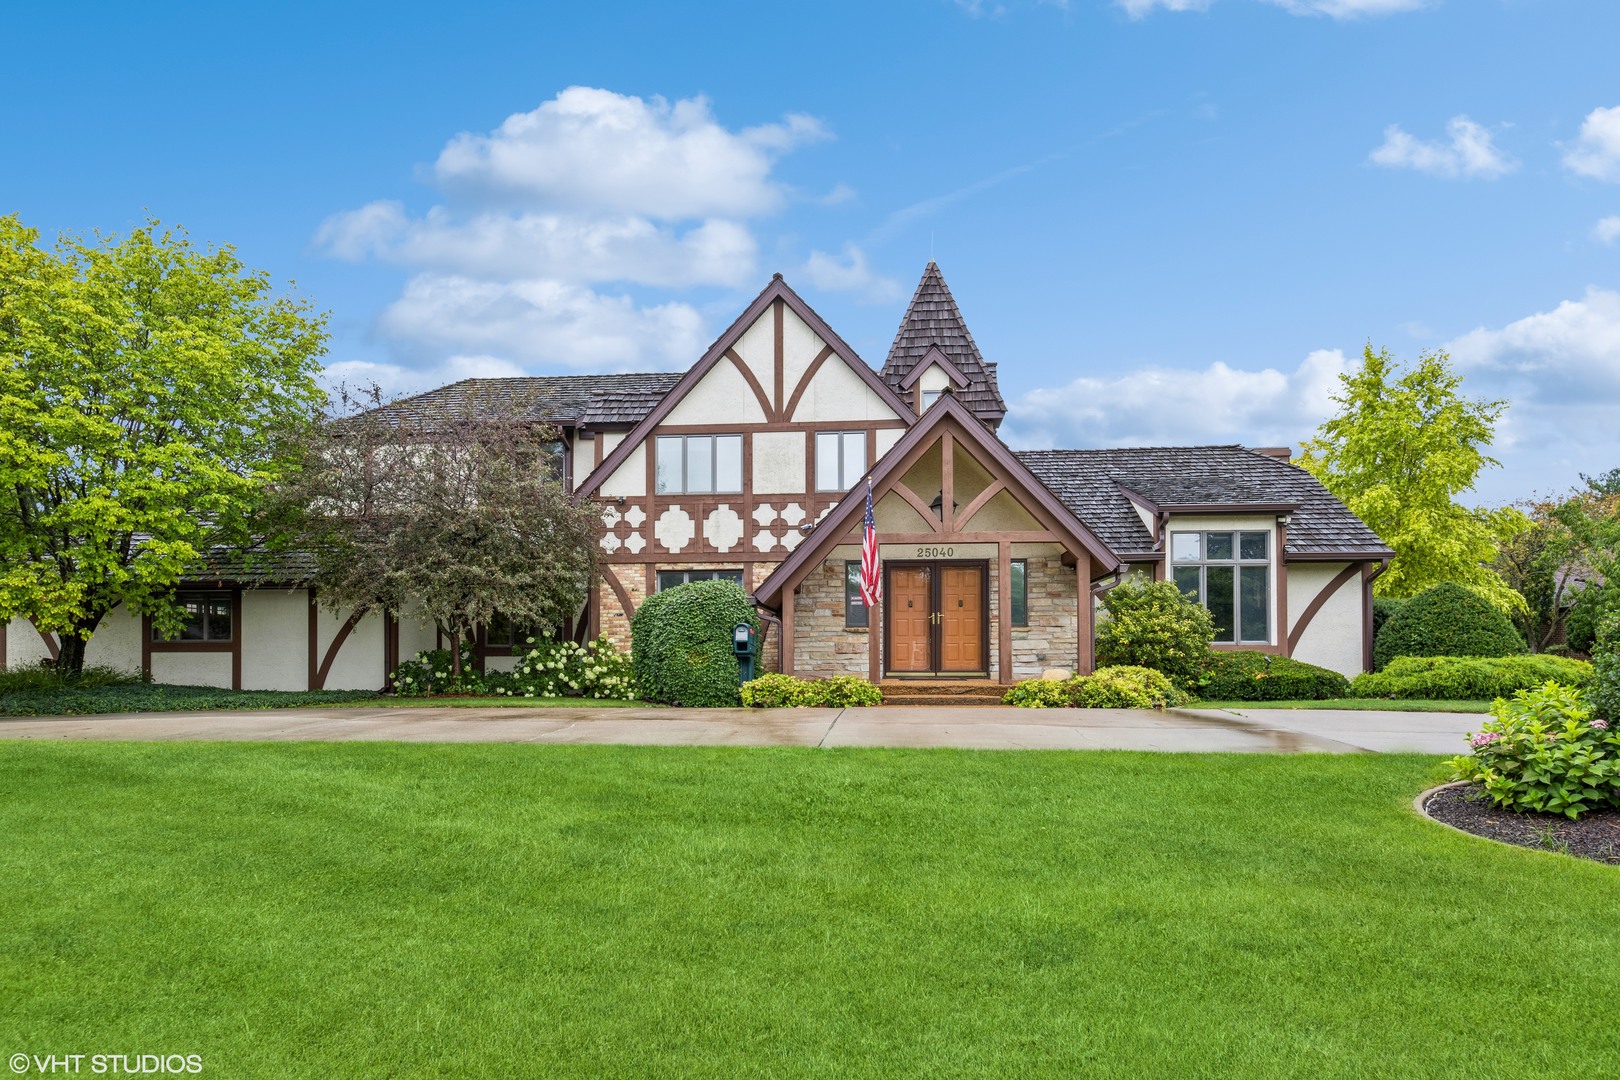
point(1252, 731)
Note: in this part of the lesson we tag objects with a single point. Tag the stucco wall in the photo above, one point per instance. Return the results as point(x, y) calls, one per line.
point(630, 478)
point(24, 647)
point(359, 663)
point(721, 396)
point(192, 668)
point(275, 639)
point(117, 642)
point(779, 458)
point(1334, 637)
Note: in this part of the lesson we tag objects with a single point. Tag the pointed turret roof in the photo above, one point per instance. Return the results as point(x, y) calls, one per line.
point(932, 320)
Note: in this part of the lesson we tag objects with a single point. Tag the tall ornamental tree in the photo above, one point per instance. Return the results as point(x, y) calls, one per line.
point(1401, 449)
point(146, 387)
point(458, 514)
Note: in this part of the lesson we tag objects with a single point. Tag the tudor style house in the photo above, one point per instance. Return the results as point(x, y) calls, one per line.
point(753, 466)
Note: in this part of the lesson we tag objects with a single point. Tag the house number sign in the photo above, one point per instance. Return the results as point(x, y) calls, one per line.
point(935, 552)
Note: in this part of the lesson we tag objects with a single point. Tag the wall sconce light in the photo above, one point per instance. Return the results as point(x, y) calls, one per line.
point(939, 504)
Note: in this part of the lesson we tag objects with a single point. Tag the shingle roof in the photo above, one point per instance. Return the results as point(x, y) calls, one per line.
point(932, 318)
point(1092, 483)
point(580, 399)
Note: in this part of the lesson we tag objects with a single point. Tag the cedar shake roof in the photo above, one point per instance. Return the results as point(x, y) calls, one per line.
point(1093, 483)
point(933, 319)
point(584, 400)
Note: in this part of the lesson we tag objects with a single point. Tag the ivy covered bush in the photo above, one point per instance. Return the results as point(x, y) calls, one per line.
point(681, 643)
point(1118, 687)
point(1446, 620)
point(773, 691)
point(1469, 678)
point(1544, 751)
point(1246, 675)
point(1152, 624)
point(1606, 670)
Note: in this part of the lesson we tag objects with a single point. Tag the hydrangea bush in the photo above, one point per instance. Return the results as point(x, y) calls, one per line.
point(1544, 751)
point(428, 673)
point(551, 668)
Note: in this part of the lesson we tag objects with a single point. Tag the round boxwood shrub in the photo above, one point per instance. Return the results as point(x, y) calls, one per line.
point(1246, 675)
point(1446, 620)
point(1152, 624)
point(1383, 608)
point(681, 643)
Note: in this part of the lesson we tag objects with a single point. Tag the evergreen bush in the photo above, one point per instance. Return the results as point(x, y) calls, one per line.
point(1383, 608)
point(1246, 675)
point(1118, 687)
point(773, 691)
point(1469, 678)
point(1606, 670)
point(1446, 620)
point(681, 643)
point(1152, 624)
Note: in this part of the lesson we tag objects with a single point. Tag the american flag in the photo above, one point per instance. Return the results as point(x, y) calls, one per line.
point(871, 583)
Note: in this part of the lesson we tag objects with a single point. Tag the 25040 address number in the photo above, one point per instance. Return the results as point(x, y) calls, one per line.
point(935, 552)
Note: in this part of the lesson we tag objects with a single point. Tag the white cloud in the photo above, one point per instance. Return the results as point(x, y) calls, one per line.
point(395, 379)
point(851, 274)
point(1337, 9)
point(1607, 230)
point(1157, 406)
point(1597, 152)
point(603, 151)
point(565, 247)
point(1569, 355)
point(1138, 9)
point(1469, 153)
point(541, 322)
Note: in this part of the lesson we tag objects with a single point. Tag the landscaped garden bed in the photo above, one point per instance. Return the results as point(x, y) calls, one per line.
point(1594, 835)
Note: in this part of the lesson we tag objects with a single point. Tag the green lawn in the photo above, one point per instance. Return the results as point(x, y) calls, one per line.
point(1358, 704)
point(398, 910)
point(161, 697)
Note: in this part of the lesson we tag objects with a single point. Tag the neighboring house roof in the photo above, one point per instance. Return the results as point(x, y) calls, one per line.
point(1098, 484)
point(933, 319)
point(585, 400)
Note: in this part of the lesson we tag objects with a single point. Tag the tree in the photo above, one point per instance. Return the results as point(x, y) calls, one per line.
point(1570, 550)
point(146, 392)
point(462, 515)
point(1402, 447)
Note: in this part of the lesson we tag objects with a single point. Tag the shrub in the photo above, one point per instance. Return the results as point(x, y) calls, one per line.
point(1040, 694)
point(42, 678)
point(1542, 751)
point(1124, 688)
point(1245, 675)
point(1606, 670)
point(786, 692)
point(1117, 687)
point(1469, 678)
point(429, 673)
point(1153, 625)
point(681, 643)
point(1592, 606)
point(1446, 620)
point(548, 667)
point(1383, 608)
point(848, 692)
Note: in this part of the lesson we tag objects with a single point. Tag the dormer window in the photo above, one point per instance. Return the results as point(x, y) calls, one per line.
point(928, 399)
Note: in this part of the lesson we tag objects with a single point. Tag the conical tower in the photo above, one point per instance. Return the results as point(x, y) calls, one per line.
point(933, 330)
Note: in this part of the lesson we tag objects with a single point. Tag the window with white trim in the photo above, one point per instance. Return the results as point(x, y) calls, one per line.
point(1230, 574)
point(699, 464)
point(840, 459)
point(668, 579)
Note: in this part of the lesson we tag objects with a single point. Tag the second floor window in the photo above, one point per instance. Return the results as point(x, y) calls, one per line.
point(840, 459)
point(699, 464)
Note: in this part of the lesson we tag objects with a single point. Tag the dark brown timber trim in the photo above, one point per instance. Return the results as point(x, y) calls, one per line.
point(1318, 600)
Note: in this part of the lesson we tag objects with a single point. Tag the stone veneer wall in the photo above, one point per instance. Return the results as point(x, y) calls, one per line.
point(822, 646)
point(633, 576)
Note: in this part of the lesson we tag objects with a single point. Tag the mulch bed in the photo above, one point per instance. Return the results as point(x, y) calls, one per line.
point(1594, 835)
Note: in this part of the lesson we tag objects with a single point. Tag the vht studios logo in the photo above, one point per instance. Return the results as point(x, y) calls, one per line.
point(110, 1064)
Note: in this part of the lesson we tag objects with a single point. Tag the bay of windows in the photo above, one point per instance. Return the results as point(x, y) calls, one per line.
point(699, 464)
point(1230, 574)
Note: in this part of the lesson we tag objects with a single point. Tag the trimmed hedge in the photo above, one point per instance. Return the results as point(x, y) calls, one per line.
point(681, 643)
point(1446, 620)
point(773, 691)
point(1464, 678)
point(1245, 675)
point(1384, 607)
point(1118, 687)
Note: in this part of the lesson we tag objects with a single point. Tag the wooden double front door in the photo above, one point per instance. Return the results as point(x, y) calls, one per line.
point(936, 618)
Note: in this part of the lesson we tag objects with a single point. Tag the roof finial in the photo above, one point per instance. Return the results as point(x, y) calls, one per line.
point(777, 276)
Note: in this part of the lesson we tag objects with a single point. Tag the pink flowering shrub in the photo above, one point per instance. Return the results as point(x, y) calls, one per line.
point(1542, 751)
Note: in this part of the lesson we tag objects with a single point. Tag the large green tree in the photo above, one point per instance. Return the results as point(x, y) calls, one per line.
point(147, 389)
point(1403, 446)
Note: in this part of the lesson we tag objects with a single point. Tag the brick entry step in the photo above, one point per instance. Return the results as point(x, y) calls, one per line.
point(955, 694)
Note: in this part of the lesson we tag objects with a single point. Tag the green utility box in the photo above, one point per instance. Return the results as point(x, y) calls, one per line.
point(745, 645)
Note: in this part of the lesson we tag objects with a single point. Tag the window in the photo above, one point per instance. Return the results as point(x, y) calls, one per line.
point(668, 579)
point(856, 614)
point(207, 615)
point(501, 631)
point(1230, 574)
point(840, 459)
point(699, 464)
point(1020, 592)
point(928, 398)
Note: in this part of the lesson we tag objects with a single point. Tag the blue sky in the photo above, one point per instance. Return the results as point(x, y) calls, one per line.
point(1169, 221)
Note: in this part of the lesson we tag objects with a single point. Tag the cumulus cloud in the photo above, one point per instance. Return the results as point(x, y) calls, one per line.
point(599, 150)
point(1156, 406)
point(1337, 9)
point(1597, 152)
point(402, 380)
point(1568, 355)
point(541, 322)
point(1468, 154)
point(1138, 9)
point(1607, 230)
point(850, 273)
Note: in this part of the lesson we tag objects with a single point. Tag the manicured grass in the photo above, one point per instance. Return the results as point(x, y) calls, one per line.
point(1359, 704)
point(408, 910)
